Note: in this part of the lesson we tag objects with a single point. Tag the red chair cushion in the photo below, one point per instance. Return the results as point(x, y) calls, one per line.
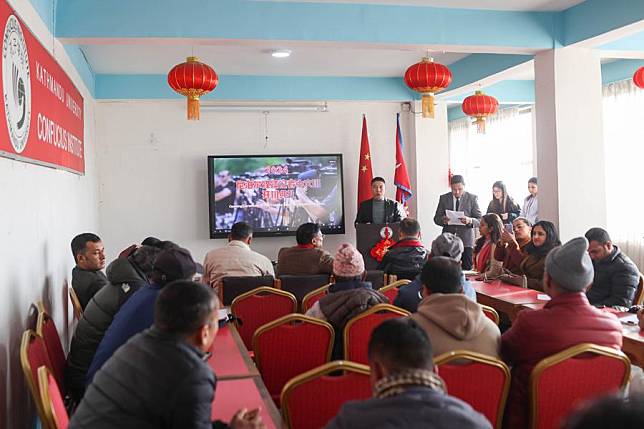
point(312, 300)
point(476, 383)
point(55, 351)
point(563, 386)
point(257, 310)
point(391, 295)
point(37, 357)
point(288, 350)
point(359, 333)
point(314, 403)
point(57, 404)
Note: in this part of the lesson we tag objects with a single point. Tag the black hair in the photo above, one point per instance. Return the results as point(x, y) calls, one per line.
point(241, 231)
point(533, 180)
point(457, 178)
point(495, 225)
point(144, 258)
point(151, 241)
point(409, 227)
point(609, 412)
point(80, 242)
point(168, 245)
point(599, 235)
point(306, 232)
point(378, 179)
point(401, 344)
point(552, 239)
point(184, 306)
point(442, 274)
point(524, 220)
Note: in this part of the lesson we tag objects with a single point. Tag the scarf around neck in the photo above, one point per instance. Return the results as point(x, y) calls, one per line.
point(395, 384)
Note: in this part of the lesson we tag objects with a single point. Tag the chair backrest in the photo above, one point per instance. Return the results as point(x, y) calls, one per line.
point(258, 307)
point(358, 330)
point(639, 292)
point(490, 313)
point(377, 278)
point(314, 296)
point(78, 310)
point(560, 382)
point(231, 287)
point(312, 399)
point(46, 329)
point(33, 355)
point(481, 381)
point(391, 290)
point(300, 286)
point(55, 414)
point(290, 346)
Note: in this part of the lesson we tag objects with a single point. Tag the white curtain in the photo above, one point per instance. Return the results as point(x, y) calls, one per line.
point(623, 112)
point(504, 152)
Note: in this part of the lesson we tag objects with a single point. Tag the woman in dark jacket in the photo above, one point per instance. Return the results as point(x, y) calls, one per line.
point(544, 239)
point(503, 204)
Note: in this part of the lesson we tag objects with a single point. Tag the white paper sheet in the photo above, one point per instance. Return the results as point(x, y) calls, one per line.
point(454, 218)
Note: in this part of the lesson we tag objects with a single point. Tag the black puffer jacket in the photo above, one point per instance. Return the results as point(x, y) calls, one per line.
point(615, 281)
point(405, 259)
point(125, 278)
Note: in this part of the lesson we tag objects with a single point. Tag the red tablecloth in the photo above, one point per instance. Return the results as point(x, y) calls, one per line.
point(227, 360)
point(232, 395)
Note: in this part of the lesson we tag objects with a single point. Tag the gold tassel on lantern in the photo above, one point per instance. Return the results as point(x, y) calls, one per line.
point(480, 125)
point(428, 105)
point(193, 108)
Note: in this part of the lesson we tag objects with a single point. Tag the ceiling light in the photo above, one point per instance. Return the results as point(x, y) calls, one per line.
point(281, 53)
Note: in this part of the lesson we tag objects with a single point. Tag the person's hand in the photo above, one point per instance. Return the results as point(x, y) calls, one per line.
point(445, 220)
point(466, 220)
point(504, 216)
point(244, 419)
point(508, 238)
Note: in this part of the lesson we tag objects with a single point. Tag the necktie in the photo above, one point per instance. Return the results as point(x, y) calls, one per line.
point(458, 200)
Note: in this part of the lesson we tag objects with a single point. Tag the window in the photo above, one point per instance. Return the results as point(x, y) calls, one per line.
point(504, 152)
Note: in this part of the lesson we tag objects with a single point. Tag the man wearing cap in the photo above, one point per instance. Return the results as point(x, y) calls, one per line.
point(137, 314)
point(565, 321)
point(448, 245)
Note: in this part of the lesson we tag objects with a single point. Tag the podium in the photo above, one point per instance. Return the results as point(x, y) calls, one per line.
point(367, 235)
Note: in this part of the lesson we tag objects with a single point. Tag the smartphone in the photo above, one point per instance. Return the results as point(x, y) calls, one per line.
point(508, 228)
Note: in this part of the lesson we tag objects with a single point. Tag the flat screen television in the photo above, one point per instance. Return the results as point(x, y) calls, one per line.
point(275, 193)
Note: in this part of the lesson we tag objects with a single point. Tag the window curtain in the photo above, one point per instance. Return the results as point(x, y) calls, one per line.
point(504, 152)
point(623, 111)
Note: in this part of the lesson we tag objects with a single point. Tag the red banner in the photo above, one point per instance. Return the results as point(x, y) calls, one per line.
point(43, 110)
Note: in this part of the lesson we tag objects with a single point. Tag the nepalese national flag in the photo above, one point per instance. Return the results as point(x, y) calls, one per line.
point(401, 177)
point(365, 173)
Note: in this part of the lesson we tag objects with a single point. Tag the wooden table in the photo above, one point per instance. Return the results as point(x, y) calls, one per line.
point(633, 344)
point(230, 359)
point(505, 298)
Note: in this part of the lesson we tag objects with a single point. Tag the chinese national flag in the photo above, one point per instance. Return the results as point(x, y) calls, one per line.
point(401, 178)
point(365, 173)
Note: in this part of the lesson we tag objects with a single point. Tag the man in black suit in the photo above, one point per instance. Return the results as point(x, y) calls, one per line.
point(379, 209)
point(459, 200)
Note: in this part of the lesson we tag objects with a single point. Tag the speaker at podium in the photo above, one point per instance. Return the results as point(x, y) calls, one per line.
point(369, 234)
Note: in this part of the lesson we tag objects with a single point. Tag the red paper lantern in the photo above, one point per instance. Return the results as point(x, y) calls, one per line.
point(428, 77)
point(192, 79)
point(638, 77)
point(480, 106)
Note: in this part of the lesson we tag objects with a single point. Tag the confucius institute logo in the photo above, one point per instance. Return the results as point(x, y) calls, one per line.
point(16, 83)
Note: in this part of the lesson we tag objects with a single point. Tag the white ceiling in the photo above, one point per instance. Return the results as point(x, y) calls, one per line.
point(253, 58)
point(521, 5)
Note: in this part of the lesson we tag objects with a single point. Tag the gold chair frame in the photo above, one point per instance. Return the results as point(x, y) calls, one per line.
point(76, 305)
point(491, 310)
point(369, 312)
point(49, 417)
point(261, 289)
point(27, 337)
point(313, 293)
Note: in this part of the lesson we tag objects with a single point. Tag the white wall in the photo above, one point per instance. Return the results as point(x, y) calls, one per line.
point(154, 173)
point(41, 210)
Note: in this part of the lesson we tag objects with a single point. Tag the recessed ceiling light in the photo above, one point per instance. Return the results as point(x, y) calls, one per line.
point(281, 53)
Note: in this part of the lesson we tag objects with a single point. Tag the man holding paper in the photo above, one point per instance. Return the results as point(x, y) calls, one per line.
point(458, 212)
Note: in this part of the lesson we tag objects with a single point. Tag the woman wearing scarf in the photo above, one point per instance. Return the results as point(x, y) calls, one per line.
point(511, 250)
point(490, 228)
point(544, 239)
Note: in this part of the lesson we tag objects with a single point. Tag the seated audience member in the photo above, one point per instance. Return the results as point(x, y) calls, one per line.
point(448, 245)
point(490, 228)
point(609, 412)
point(87, 277)
point(530, 209)
point(565, 321)
point(137, 314)
point(236, 258)
point(308, 257)
point(407, 256)
point(511, 250)
point(544, 238)
point(502, 204)
point(452, 321)
point(616, 276)
point(406, 391)
point(160, 378)
point(349, 296)
point(126, 276)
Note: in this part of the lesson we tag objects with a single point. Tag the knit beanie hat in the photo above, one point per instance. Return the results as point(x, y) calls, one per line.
point(570, 266)
point(348, 262)
point(448, 244)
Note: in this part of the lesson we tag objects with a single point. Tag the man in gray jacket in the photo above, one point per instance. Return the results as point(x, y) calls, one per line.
point(616, 276)
point(159, 379)
point(407, 392)
point(460, 201)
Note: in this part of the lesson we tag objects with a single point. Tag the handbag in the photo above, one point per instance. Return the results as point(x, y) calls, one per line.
point(514, 279)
